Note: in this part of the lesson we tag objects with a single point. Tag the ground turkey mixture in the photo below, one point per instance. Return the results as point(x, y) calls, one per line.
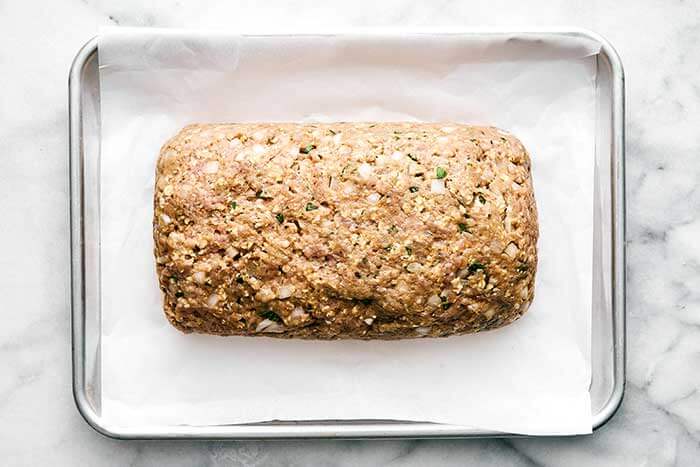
point(344, 230)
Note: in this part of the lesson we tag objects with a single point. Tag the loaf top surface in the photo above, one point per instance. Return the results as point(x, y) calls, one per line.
point(344, 230)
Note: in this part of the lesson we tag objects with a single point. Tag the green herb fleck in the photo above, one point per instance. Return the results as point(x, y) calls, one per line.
point(271, 315)
point(307, 149)
point(389, 247)
point(463, 227)
point(262, 195)
point(366, 301)
point(413, 189)
point(179, 294)
point(240, 280)
point(446, 305)
point(372, 125)
point(412, 157)
point(311, 207)
point(482, 200)
point(393, 229)
point(409, 250)
point(332, 132)
point(280, 217)
point(440, 173)
point(475, 266)
point(397, 137)
point(233, 205)
point(522, 267)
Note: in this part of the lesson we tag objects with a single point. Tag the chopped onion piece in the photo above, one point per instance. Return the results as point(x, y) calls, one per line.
point(373, 198)
point(211, 167)
point(199, 277)
point(365, 170)
point(285, 291)
point(437, 186)
point(413, 267)
point(511, 250)
point(268, 325)
point(298, 312)
point(524, 292)
point(434, 300)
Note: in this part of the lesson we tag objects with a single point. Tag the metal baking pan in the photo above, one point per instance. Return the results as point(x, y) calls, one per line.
point(608, 320)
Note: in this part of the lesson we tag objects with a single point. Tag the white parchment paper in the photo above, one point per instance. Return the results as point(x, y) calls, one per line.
point(530, 377)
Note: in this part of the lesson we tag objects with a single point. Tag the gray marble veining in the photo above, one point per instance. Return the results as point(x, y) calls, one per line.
point(659, 422)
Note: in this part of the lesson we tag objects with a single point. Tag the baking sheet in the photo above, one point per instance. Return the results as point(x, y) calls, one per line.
point(531, 377)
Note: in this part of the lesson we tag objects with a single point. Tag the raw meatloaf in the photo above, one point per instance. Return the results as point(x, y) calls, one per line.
point(344, 230)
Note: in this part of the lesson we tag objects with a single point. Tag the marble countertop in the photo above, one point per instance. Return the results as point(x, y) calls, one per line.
point(659, 421)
